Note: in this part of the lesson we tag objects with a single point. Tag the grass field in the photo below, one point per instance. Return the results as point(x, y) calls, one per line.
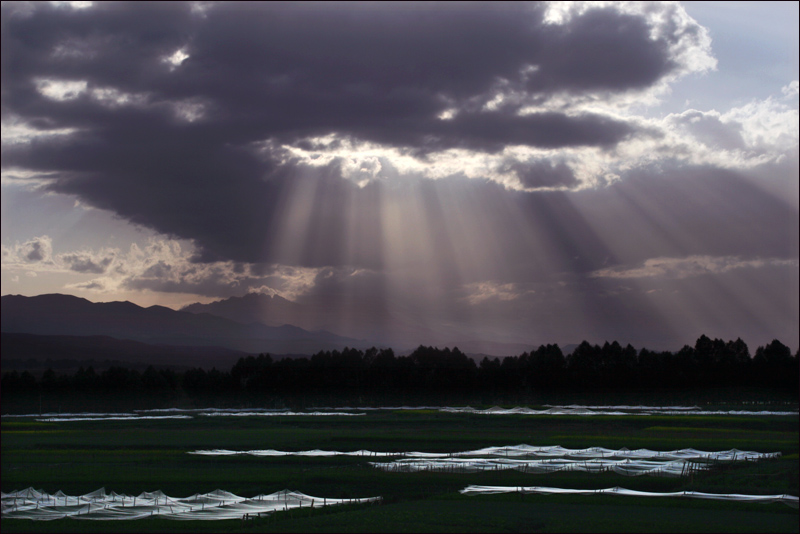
point(146, 455)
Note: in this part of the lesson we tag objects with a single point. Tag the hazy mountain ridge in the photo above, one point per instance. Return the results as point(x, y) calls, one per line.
point(212, 325)
point(66, 315)
point(271, 310)
point(376, 326)
point(373, 323)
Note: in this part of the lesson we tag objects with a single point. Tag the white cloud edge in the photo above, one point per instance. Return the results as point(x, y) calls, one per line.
point(158, 261)
point(689, 267)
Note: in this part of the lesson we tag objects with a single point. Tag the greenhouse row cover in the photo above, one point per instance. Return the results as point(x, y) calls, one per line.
point(574, 409)
point(99, 505)
point(525, 452)
point(675, 468)
point(610, 410)
point(790, 500)
point(218, 505)
point(535, 460)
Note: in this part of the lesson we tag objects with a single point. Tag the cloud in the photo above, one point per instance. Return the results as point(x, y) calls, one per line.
point(37, 250)
point(94, 285)
point(769, 126)
point(709, 129)
point(792, 89)
point(369, 156)
point(134, 109)
point(37, 255)
point(159, 265)
point(86, 263)
point(601, 49)
point(538, 174)
point(481, 291)
point(689, 267)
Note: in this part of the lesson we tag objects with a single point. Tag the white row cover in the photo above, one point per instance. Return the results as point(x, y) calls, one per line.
point(610, 410)
point(528, 452)
point(38, 505)
point(542, 460)
point(572, 409)
point(627, 407)
point(270, 413)
point(283, 411)
point(61, 419)
point(313, 452)
point(487, 490)
point(622, 467)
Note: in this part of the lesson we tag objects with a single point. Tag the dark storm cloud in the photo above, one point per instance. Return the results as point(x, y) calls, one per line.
point(286, 72)
point(601, 49)
point(82, 263)
point(541, 173)
point(36, 253)
point(214, 286)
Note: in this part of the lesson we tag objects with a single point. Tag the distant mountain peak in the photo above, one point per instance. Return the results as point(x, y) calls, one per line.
point(48, 296)
point(65, 315)
point(248, 298)
point(254, 307)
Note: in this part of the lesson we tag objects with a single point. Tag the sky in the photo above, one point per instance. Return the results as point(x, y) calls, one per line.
point(524, 173)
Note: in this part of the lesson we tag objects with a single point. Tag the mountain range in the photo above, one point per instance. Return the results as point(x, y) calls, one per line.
point(252, 324)
point(66, 315)
point(373, 324)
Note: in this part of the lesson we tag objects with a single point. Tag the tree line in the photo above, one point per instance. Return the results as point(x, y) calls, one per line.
point(708, 364)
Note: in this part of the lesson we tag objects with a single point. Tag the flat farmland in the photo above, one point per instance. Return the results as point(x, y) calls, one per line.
point(133, 456)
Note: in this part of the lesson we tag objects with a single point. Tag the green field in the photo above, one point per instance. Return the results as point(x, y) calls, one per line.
point(147, 455)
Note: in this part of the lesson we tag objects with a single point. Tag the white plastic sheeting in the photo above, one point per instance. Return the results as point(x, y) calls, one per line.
point(572, 409)
point(268, 414)
point(738, 497)
point(62, 419)
point(535, 460)
point(524, 452)
point(76, 414)
point(622, 467)
point(312, 453)
point(388, 408)
point(222, 412)
point(541, 460)
point(578, 409)
point(174, 414)
point(94, 416)
point(610, 410)
point(38, 505)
